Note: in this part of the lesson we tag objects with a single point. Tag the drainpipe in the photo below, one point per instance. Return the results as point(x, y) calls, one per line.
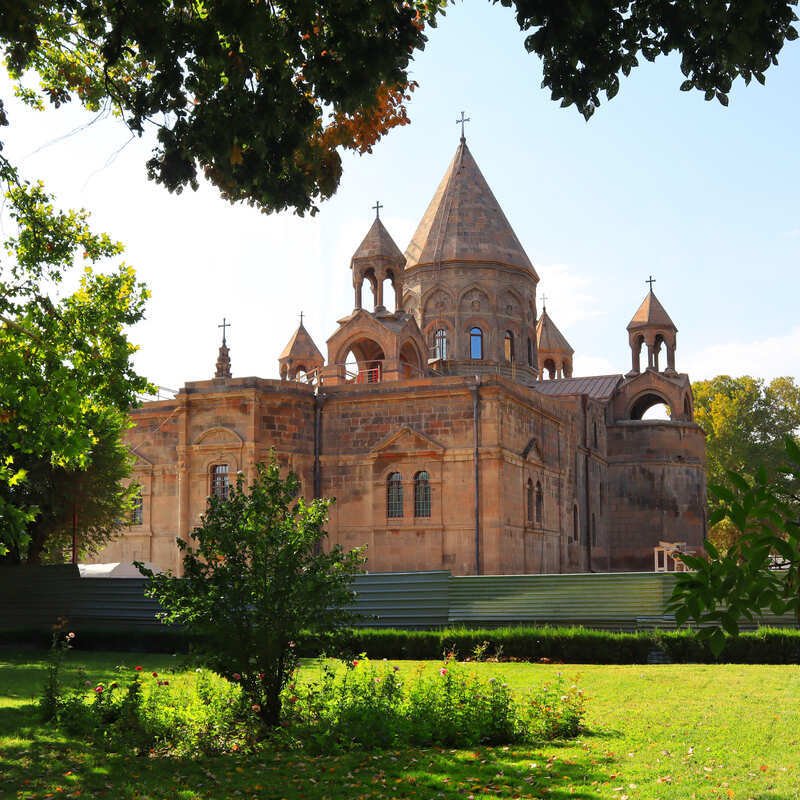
point(475, 433)
point(587, 515)
point(319, 399)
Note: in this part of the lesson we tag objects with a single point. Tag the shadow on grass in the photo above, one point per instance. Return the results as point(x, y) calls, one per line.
point(48, 767)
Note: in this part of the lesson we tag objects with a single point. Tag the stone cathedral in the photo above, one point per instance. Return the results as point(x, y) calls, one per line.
point(450, 430)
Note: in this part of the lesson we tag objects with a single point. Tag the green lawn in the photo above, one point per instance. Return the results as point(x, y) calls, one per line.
point(654, 732)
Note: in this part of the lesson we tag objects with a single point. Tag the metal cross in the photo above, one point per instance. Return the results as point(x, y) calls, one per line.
point(651, 280)
point(225, 324)
point(544, 302)
point(301, 319)
point(377, 208)
point(462, 121)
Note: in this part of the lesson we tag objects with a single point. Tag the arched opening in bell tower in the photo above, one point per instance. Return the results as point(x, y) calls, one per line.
point(650, 406)
point(364, 361)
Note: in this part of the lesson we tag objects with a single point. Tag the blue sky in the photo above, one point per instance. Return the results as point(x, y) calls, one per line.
point(659, 181)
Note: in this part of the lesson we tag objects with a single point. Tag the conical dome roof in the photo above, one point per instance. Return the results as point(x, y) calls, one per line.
point(378, 244)
point(301, 347)
point(549, 338)
point(651, 314)
point(464, 222)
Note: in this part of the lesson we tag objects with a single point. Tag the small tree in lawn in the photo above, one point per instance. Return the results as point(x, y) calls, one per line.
point(256, 582)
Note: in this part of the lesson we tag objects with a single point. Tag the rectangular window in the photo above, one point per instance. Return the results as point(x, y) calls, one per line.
point(220, 483)
point(394, 495)
point(137, 512)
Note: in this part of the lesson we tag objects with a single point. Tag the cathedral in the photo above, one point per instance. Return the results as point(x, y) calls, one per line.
point(450, 429)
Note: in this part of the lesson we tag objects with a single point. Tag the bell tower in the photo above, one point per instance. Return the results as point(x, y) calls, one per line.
point(651, 326)
point(377, 259)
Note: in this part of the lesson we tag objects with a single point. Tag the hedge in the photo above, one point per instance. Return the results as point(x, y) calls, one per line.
point(567, 645)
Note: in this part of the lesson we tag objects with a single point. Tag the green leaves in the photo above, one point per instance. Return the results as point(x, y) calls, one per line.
point(256, 580)
point(67, 377)
point(585, 46)
point(759, 570)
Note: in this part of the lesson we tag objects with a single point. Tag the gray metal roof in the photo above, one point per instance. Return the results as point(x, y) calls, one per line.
point(600, 387)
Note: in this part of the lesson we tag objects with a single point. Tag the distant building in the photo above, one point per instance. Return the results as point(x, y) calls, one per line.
point(450, 430)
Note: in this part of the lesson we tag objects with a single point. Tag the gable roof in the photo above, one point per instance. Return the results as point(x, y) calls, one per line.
point(599, 387)
point(464, 222)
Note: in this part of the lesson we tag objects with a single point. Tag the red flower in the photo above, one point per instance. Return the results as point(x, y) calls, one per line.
point(355, 662)
point(155, 674)
point(99, 689)
point(138, 669)
point(236, 676)
point(443, 671)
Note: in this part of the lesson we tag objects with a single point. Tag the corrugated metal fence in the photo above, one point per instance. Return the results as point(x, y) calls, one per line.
point(32, 597)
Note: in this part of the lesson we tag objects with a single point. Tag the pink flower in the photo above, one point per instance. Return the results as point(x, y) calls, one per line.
point(99, 689)
point(443, 671)
point(236, 676)
point(70, 635)
point(256, 707)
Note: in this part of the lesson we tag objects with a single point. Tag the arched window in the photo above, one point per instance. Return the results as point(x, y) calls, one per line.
point(475, 344)
point(530, 352)
point(576, 529)
point(539, 503)
point(529, 501)
point(220, 482)
point(394, 495)
point(440, 344)
point(508, 346)
point(137, 510)
point(422, 494)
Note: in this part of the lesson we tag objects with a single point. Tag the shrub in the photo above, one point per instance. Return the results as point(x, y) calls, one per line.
point(555, 710)
point(147, 715)
point(368, 707)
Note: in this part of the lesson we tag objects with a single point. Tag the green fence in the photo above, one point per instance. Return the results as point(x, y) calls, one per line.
point(35, 597)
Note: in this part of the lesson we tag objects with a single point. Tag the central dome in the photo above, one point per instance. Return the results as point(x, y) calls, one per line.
point(464, 222)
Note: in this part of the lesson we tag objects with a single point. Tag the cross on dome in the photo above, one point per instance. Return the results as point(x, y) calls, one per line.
point(461, 122)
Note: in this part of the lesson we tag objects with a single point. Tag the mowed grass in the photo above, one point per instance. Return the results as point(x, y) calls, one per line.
point(678, 731)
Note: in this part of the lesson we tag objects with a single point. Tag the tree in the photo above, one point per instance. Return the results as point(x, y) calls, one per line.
point(759, 571)
point(746, 422)
point(67, 378)
point(256, 583)
point(261, 96)
point(586, 45)
point(95, 502)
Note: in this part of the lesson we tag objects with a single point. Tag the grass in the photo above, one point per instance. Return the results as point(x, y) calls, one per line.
point(682, 731)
